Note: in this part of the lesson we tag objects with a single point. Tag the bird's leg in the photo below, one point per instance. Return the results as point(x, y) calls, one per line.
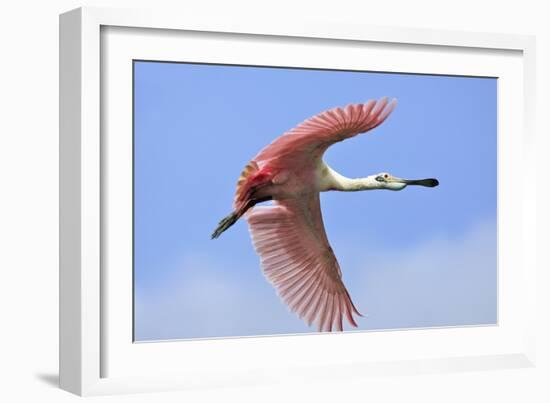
point(232, 218)
point(251, 203)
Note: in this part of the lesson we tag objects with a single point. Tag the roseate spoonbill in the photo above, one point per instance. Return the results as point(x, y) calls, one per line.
point(289, 235)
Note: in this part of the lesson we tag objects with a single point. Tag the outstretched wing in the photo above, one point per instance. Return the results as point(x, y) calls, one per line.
point(297, 259)
point(304, 145)
point(307, 142)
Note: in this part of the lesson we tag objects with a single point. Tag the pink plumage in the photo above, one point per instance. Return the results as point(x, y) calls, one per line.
point(289, 236)
point(298, 260)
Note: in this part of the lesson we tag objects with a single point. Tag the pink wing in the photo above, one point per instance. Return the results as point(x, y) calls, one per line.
point(308, 141)
point(302, 147)
point(297, 259)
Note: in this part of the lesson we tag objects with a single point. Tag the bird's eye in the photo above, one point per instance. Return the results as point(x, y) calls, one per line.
point(386, 176)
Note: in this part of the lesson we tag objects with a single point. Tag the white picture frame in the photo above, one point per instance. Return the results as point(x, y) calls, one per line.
point(96, 354)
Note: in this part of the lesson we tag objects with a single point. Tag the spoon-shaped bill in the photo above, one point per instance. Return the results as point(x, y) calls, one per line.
point(430, 182)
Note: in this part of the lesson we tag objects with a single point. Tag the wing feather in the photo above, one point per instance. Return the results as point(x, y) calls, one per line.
point(297, 259)
point(313, 136)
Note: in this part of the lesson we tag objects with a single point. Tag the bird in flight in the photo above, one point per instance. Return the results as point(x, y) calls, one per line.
point(289, 235)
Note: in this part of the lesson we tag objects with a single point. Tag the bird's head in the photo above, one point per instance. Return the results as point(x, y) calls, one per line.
point(386, 181)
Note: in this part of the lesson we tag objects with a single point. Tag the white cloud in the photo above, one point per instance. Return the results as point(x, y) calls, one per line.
point(440, 282)
point(208, 299)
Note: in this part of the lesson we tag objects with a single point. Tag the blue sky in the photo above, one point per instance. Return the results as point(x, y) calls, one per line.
point(417, 258)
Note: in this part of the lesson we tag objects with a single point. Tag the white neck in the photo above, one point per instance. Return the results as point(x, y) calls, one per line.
point(332, 180)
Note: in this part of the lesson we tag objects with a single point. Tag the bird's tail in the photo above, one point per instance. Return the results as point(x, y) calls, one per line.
point(226, 223)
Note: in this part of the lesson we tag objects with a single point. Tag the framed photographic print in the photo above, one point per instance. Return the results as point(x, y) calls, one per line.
point(242, 201)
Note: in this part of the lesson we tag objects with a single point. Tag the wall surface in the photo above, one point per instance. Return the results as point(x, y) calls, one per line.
point(29, 201)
